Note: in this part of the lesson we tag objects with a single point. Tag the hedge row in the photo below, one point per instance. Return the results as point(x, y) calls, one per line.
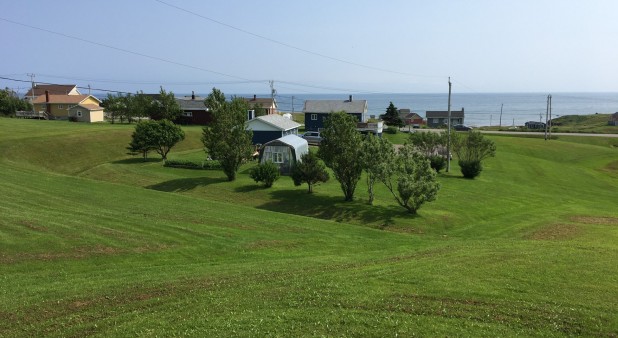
point(205, 165)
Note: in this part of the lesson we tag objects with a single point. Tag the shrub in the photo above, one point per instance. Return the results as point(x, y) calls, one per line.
point(437, 162)
point(470, 169)
point(267, 172)
point(392, 130)
point(211, 165)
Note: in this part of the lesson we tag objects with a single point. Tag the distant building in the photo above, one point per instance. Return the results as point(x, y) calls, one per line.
point(410, 118)
point(284, 152)
point(271, 127)
point(40, 89)
point(535, 125)
point(437, 119)
point(194, 110)
point(613, 120)
point(83, 108)
point(317, 111)
point(266, 106)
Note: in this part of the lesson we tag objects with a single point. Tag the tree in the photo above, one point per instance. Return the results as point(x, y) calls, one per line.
point(10, 103)
point(471, 149)
point(226, 139)
point(309, 170)
point(376, 153)
point(391, 117)
point(340, 150)
point(433, 146)
point(159, 136)
point(141, 139)
point(267, 172)
point(165, 107)
point(410, 179)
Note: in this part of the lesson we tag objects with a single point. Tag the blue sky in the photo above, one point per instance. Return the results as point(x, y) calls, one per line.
point(315, 46)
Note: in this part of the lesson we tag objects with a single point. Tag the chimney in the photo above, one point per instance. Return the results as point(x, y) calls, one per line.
point(350, 98)
point(192, 95)
point(47, 105)
point(254, 97)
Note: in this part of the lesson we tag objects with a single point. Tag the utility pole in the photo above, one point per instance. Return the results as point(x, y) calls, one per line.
point(448, 143)
point(501, 106)
point(89, 89)
point(292, 104)
point(490, 118)
point(273, 92)
point(546, 115)
point(549, 117)
point(32, 83)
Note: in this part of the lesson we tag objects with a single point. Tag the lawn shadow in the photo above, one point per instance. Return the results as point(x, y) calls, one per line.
point(186, 184)
point(137, 160)
point(249, 188)
point(299, 202)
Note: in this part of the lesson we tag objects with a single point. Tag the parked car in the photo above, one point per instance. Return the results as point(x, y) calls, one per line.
point(312, 137)
point(461, 127)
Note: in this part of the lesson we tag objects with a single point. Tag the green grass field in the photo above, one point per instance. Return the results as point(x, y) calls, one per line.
point(94, 242)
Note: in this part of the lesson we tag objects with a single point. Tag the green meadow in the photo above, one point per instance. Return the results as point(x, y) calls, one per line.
point(95, 242)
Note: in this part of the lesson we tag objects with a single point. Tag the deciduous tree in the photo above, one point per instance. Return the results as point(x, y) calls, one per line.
point(410, 179)
point(159, 136)
point(340, 150)
point(376, 153)
point(226, 139)
point(10, 103)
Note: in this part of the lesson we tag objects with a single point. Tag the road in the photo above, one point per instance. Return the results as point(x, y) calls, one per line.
point(519, 133)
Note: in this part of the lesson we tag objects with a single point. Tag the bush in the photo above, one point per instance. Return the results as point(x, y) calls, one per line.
point(73, 119)
point(438, 162)
point(470, 169)
point(211, 165)
point(392, 130)
point(267, 172)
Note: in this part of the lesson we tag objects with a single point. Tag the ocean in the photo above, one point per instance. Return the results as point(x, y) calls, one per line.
point(480, 109)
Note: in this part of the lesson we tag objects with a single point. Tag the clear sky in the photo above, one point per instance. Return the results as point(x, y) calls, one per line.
point(318, 46)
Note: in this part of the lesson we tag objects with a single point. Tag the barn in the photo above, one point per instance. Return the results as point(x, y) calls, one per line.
point(284, 152)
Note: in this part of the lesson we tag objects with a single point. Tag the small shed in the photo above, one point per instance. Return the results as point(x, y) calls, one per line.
point(613, 119)
point(271, 127)
point(284, 152)
point(85, 112)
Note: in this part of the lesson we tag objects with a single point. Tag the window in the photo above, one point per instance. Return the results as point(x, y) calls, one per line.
point(60, 106)
point(79, 113)
point(314, 117)
point(278, 157)
point(188, 114)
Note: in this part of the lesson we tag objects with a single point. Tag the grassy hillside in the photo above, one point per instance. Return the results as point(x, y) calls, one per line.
point(95, 242)
point(596, 123)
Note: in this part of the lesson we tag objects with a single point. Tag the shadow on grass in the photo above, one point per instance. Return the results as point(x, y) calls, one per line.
point(249, 188)
point(186, 184)
point(137, 160)
point(299, 202)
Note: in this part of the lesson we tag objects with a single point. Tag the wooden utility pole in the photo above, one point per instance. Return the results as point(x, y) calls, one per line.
point(549, 127)
point(501, 106)
point(448, 142)
point(32, 83)
point(292, 104)
point(546, 115)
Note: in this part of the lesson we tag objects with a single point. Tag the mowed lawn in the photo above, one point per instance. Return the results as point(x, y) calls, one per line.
point(96, 242)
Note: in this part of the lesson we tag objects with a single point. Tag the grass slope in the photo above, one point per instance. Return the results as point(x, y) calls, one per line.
point(93, 242)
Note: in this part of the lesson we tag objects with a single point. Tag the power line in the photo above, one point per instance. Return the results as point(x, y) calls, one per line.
point(123, 49)
point(291, 46)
